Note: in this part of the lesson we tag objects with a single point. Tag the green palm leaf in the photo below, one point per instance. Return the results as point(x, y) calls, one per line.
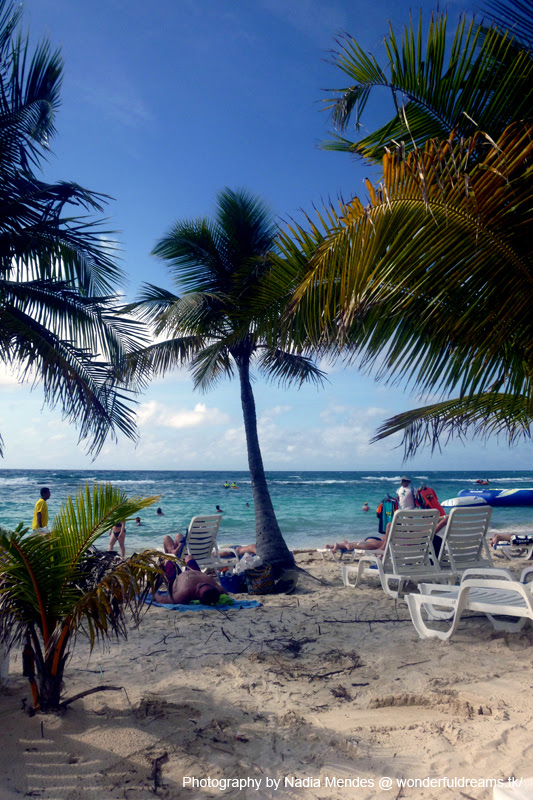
point(483, 82)
point(58, 268)
point(485, 415)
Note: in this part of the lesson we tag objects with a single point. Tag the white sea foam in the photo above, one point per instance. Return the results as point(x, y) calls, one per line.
point(16, 481)
point(115, 481)
point(381, 478)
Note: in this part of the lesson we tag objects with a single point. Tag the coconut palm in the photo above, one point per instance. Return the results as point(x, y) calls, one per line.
point(434, 283)
point(58, 324)
point(221, 324)
point(430, 281)
point(54, 586)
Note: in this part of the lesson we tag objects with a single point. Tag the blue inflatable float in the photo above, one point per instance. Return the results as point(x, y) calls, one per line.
point(491, 497)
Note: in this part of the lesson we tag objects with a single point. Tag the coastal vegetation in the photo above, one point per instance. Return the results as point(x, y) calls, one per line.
point(54, 586)
point(222, 323)
point(58, 274)
point(428, 281)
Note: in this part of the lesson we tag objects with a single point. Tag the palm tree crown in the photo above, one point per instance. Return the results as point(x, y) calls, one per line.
point(223, 322)
point(430, 281)
point(58, 325)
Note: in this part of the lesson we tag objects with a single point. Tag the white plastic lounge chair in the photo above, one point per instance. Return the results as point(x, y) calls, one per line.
point(464, 540)
point(408, 554)
point(201, 542)
point(327, 552)
point(501, 597)
point(465, 547)
point(521, 548)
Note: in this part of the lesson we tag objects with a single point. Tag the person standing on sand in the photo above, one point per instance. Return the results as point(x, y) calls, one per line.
point(40, 512)
point(406, 498)
point(118, 534)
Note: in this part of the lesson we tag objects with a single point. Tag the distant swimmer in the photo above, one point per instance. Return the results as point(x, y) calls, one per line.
point(482, 483)
point(366, 507)
point(159, 512)
point(219, 510)
point(226, 485)
point(234, 485)
point(138, 521)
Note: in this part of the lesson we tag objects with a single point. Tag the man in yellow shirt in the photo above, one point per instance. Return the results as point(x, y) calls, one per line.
point(40, 513)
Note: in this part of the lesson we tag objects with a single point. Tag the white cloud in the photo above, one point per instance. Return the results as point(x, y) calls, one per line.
point(165, 416)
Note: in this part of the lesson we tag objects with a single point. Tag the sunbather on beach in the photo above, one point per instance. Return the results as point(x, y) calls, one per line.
point(240, 550)
point(370, 543)
point(173, 546)
point(379, 542)
point(514, 538)
point(190, 584)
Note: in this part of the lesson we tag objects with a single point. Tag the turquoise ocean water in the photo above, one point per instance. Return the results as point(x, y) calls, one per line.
point(312, 507)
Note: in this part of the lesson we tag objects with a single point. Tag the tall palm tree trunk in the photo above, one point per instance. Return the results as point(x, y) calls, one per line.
point(271, 547)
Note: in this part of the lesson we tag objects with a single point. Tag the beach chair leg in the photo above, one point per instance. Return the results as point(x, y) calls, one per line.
point(387, 588)
point(416, 602)
point(508, 625)
point(346, 576)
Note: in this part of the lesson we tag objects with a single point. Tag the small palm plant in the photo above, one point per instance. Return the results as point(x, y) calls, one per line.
point(53, 586)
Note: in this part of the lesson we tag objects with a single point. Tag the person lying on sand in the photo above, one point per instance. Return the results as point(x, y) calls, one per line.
point(240, 550)
point(379, 542)
point(188, 585)
point(370, 543)
point(514, 538)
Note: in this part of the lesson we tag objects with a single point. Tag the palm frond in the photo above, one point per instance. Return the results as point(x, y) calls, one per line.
point(460, 247)
point(211, 364)
point(481, 82)
point(486, 415)
point(41, 573)
point(285, 368)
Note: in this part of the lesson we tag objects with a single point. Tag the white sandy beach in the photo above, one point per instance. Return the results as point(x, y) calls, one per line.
point(312, 689)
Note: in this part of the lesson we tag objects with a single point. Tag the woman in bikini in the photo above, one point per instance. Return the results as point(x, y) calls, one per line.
point(118, 534)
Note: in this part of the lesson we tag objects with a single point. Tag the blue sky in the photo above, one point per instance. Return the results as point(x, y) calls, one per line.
point(162, 106)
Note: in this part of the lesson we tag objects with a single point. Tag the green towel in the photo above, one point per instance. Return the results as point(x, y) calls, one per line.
point(223, 600)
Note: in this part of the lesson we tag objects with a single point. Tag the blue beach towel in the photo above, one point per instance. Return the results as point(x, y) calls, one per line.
point(236, 605)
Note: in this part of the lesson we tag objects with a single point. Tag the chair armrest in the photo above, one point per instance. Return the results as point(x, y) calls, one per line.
point(526, 575)
point(488, 572)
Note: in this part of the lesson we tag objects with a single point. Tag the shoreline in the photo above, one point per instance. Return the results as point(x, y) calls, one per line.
point(327, 683)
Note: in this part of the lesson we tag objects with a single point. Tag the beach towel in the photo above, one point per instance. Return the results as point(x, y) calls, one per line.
point(236, 605)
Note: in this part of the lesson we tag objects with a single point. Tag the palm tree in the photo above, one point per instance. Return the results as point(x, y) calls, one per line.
point(54, 586)
point(58, 321)
point(222, 323)
point(431, 278)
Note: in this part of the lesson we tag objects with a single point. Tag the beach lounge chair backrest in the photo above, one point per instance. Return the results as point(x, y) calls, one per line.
point(410, 546)
point(464, 541)
point(408, 555)
point(201, 540)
